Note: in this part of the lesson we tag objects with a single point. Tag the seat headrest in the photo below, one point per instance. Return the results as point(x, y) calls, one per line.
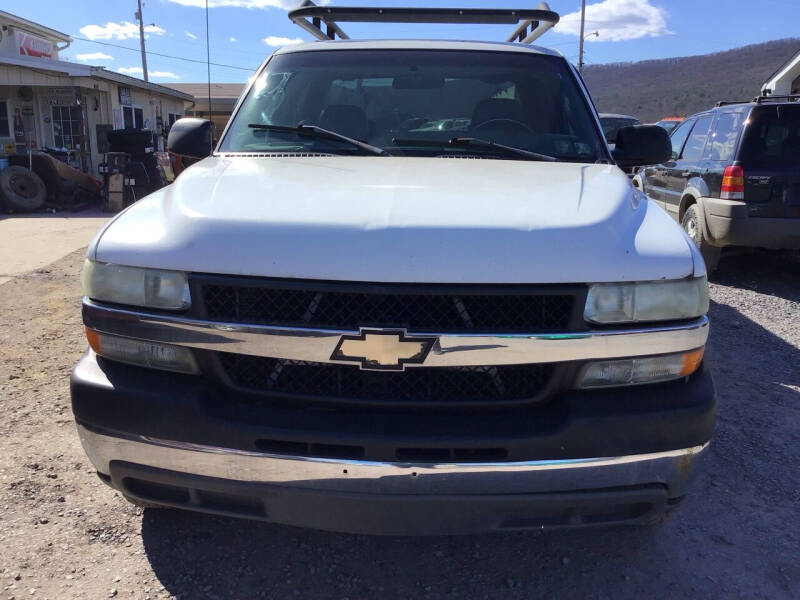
point(346, 119)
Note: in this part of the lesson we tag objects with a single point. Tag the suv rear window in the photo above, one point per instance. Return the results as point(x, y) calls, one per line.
point(385, 97)
point(773, 135)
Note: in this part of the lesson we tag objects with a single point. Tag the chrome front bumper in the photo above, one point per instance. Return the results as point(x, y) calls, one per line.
point(672, 469)
point(318, 345)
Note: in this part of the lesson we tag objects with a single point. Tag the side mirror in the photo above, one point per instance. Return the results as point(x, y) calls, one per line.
point(640, 145)
point(191, 137)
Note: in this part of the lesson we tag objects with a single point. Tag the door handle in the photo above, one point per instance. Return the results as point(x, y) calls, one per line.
point(686, 174)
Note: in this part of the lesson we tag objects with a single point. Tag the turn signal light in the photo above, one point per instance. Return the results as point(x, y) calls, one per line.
point(165, 357)
point(637, 371)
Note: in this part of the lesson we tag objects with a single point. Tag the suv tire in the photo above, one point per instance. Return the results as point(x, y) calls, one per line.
point(694, 224)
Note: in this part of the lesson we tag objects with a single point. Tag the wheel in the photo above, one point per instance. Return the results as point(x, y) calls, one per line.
point(694, 225)
point(21, 189)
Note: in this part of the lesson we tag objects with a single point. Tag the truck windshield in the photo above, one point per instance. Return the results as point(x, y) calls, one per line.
point(414, 103)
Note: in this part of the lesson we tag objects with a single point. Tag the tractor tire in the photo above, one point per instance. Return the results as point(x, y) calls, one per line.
point(22, 190)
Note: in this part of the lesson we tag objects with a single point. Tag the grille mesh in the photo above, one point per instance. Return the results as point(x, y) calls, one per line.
point(423, 385)
point(442, 313)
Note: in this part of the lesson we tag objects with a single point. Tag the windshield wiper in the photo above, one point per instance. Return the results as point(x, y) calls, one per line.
point(465, 142)
point(320, 133)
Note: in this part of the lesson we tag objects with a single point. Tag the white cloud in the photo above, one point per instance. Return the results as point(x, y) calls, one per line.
point(617, 21)
point(93, 56)
point(190, 35)
point(157, 74)
point(232, 39)
point(118, 31)
point(274, 40)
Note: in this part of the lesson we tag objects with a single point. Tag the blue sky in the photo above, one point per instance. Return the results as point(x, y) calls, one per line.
point(244, 32)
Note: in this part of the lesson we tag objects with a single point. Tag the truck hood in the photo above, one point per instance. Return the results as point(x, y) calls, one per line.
point(391, 219)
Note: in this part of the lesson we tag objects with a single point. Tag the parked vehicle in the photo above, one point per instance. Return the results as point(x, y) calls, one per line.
point(332, 321)
point(613, 123)
point(734, 176)
point(670, 123)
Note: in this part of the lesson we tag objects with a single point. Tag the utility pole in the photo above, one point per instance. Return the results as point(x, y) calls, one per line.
point(138, 15)
point(580, 49)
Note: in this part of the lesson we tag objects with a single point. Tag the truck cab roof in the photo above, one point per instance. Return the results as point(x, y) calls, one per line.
point(417, 44)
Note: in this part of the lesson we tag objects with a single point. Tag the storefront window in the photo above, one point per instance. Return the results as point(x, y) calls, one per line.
point(67, 127)
point(133, 117)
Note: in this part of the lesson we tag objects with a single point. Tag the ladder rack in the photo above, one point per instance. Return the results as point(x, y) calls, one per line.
point(531, 24)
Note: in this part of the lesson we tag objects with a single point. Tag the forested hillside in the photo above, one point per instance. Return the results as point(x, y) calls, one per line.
point(652, 89)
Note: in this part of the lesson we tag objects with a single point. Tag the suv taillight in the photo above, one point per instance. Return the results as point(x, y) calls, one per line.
point(733, 183)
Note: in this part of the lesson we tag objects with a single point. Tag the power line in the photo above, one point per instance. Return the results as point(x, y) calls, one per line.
point(151, 53)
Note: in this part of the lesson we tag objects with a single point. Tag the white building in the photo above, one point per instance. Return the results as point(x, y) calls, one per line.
point(47, 102)
point(784, 81)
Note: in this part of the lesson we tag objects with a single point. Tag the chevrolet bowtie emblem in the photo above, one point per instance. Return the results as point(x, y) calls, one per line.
point(383, 349)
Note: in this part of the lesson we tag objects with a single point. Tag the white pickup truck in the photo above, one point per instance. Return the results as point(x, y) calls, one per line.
point(409, 291)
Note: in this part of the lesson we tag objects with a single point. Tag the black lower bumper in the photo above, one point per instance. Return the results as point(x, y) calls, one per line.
point(391, 514)
point(577, 424)
point(619, 456)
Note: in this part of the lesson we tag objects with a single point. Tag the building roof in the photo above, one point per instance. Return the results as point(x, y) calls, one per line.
point(34, 27)
point(70, 69)
point(218, 90)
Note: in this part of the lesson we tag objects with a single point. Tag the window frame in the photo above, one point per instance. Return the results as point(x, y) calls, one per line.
point(133, 108)
point(61, 122)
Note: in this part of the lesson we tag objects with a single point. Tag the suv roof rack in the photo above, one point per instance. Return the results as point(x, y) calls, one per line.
point(531, 23)
point(729, 102)
point(761, 100)
point(789, 97)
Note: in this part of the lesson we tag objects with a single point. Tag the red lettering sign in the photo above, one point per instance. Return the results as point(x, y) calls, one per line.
point(30, 45)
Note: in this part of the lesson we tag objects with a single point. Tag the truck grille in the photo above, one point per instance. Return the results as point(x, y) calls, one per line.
point(456, 309)
point(440, 385)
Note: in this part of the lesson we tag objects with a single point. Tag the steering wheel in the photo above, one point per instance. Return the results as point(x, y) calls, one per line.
point(503, 124)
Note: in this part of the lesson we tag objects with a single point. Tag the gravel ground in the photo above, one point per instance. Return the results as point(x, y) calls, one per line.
point(63, 534)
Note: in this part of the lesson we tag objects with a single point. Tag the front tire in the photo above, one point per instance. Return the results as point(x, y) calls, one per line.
point(694, 225)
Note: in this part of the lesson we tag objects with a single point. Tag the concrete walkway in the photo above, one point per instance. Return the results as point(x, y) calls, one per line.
point(30, 242)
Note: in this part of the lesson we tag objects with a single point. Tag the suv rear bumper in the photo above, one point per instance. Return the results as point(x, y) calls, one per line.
point(729, 224)
point(610, 456)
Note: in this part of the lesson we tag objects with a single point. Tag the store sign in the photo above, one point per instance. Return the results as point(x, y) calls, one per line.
point(31, 45)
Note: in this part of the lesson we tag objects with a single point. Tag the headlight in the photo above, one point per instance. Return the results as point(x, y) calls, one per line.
point(646, 301)
point(152, 288)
